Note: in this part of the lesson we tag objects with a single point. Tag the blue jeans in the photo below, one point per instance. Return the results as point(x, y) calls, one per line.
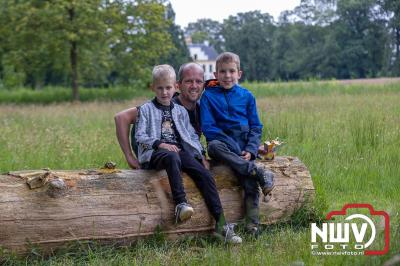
point(174, 163)
point(243, 169)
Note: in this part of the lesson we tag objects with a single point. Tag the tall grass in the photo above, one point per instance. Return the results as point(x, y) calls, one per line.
point(318, 88)
point(348, 141)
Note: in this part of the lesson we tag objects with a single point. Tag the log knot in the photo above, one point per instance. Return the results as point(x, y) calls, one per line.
point(57, 187)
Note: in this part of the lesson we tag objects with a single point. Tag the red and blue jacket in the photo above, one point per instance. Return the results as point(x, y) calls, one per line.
point(230, 116)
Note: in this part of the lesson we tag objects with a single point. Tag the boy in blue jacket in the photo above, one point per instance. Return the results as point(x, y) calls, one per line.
point(231, 125)
point(166, 140)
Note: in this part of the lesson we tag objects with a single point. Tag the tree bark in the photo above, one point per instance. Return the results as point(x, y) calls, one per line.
point(50, 208)
point(397, 30)
point(73, 56)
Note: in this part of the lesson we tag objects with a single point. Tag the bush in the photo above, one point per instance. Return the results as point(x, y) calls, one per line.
point(61, 94)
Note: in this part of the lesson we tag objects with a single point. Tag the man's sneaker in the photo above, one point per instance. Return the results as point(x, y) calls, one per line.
point(183, 212)
point(229, 235)
point(265, 179)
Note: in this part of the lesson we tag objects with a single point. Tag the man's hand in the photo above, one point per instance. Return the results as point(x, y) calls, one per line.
point(123, 121)
point(169, 147)
point(206, 164)
point(246, 155)
point(133, 163)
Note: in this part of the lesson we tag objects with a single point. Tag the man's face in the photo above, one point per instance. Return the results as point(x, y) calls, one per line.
point(191, 86)
point(164, 89)
point(228, 75)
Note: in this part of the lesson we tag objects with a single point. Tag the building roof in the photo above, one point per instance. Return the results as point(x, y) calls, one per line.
point(208, 50)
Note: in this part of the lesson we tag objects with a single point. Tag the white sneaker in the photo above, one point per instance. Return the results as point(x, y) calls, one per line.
point(229, 235)
point(183, 212)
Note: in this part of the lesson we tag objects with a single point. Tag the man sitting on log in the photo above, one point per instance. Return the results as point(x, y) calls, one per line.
point(172, 144)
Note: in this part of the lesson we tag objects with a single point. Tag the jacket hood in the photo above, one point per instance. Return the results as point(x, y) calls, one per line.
point(214, 84)
point(211, 83)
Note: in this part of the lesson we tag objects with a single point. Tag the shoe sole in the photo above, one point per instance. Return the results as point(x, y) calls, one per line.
point(186, 215)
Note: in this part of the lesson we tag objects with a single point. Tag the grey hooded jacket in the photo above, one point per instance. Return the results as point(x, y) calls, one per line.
point(148, 130)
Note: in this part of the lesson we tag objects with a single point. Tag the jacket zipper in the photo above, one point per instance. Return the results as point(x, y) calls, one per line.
point(227, 103)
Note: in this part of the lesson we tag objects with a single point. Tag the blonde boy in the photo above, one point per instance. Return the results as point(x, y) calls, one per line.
point(166, 140)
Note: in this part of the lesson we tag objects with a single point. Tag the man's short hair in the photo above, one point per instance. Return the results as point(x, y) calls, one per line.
point(188, 66)
point(163, 71)
point(228, 57)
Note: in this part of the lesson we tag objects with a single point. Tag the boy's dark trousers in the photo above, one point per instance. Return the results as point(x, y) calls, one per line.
point(174, 163)
point(219, 151)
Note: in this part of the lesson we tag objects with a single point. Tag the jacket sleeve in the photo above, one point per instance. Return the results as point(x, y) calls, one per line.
point(255, 127)
point(192, 132)
point(142, 138)
point(210, 128)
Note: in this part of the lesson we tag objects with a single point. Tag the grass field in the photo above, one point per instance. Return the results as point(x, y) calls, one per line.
point(348, 137)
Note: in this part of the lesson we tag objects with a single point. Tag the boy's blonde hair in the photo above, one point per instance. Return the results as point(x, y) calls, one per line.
point(162, 72)
point(228, 57)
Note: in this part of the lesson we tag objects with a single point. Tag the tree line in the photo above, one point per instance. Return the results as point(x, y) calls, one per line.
point(320, 39)
point(101, 43)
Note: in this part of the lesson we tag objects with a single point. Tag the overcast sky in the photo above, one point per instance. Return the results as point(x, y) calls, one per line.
point(191, 10)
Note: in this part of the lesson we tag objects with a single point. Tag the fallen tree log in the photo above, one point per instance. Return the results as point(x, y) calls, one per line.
point(50, 208)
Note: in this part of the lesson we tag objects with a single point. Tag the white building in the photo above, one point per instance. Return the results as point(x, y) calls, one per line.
point(204, 55)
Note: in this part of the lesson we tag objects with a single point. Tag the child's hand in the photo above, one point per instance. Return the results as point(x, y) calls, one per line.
point(246, 155)
point(169, 147)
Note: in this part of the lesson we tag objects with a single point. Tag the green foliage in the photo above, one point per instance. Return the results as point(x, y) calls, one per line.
point(98, 43)
point(392, 10)
point(320, 88)
point(361, 37)
point(11, 77)
point(53, 94)
point(298, 52)
point(179, 54)
point(92, 42)
point(61, 94)
point(206, 30)
point(246, 34)
point(318, 39)
point(142, 41)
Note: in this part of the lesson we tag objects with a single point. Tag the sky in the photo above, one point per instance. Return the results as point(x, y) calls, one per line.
point(187, 11)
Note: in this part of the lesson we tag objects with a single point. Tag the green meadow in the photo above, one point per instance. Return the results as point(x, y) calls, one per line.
point(347, 135)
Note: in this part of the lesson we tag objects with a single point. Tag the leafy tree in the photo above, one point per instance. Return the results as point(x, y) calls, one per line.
point(392, 9)
point(83, 41)
point(250, 35)
point(102, 42)
point(141, 42)
point(297, 51)
point(206, 30)
point(361, 36)
point(281, 46)
point(53, 35)
point(315, 12)
point(179, 54)
point(24, 41)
